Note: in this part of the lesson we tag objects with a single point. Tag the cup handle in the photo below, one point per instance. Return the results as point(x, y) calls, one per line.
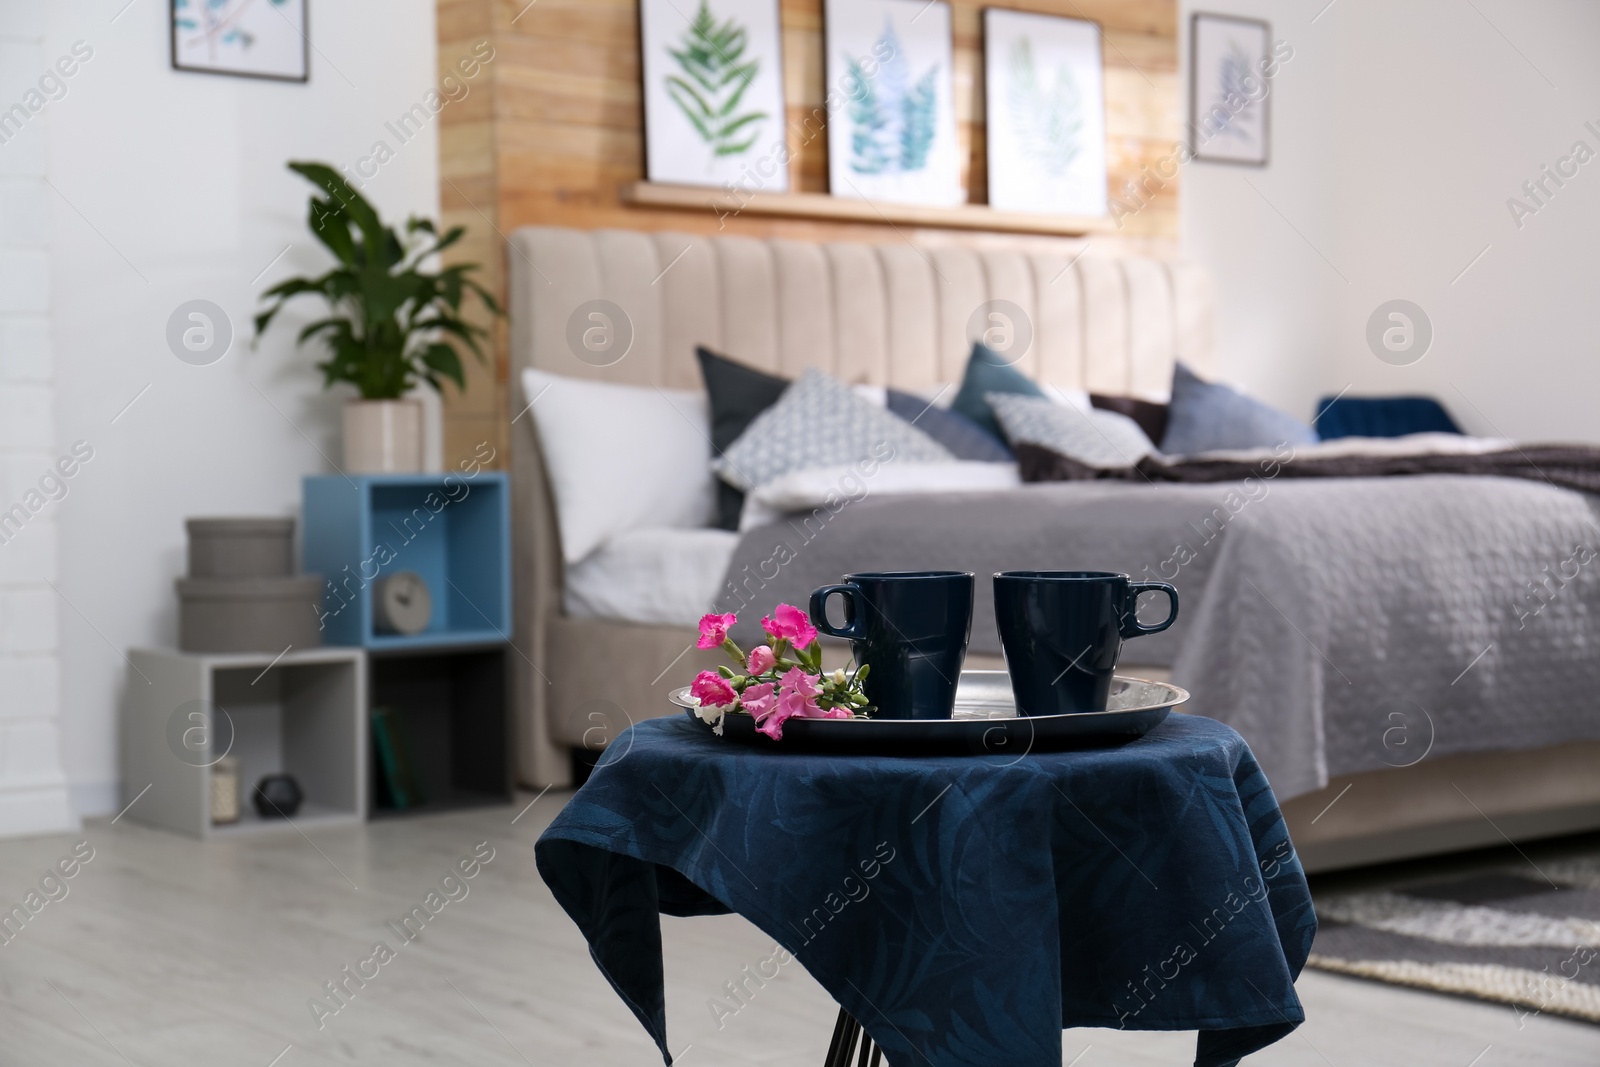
point(854, 612)
point(1131, 626)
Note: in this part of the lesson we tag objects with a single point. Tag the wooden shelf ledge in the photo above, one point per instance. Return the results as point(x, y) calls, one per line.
point(721, 203)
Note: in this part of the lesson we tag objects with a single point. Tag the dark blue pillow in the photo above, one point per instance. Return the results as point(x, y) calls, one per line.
point(987, 373)
point(964, 438)
point(737, 394)
point(1206, 417)
point(1382, 416)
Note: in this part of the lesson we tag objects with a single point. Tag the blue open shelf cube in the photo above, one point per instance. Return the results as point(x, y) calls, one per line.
point(453, 530)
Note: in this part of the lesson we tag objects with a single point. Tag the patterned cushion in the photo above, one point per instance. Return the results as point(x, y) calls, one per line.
point(1104, 440)
point(1206, 417)
point(821, 422)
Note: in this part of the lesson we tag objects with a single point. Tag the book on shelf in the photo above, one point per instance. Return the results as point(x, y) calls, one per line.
point(395, 768)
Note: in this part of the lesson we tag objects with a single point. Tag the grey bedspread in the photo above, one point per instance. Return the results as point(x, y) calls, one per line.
point(1340, 625)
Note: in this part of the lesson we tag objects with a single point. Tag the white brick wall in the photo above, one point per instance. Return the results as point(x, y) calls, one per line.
point(31, 684)
point(26, 418)
point(28, 558)
point(30, 755)
point(25, 340)
point(33, 791)
point(23, 212)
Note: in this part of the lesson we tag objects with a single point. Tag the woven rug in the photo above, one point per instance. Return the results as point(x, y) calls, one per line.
point(1523, 932)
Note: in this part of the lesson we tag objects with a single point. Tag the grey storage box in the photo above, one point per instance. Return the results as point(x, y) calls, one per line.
point(241, 548)
point(249, 614)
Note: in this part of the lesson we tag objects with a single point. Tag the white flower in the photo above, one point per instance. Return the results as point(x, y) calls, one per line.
point(711, 714)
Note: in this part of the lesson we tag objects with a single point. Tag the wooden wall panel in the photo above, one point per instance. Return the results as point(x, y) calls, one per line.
point(553, 129)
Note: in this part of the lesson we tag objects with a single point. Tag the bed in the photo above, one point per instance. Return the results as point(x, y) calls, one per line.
point(1510, 746)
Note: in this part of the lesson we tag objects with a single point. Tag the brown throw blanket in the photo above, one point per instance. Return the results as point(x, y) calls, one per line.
point(1565, 466)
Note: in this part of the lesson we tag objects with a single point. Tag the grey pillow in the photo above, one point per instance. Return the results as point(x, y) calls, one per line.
point(1206, 417)
point(820, 422)
point(1104, 440)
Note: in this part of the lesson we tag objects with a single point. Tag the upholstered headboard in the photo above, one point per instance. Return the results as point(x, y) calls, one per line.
point(890, 314)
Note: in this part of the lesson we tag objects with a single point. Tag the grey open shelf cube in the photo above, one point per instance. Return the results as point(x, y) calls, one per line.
point(303, 713)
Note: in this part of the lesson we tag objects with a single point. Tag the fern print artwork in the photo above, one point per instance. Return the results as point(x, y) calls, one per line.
point(714, 76)
point(1048, 117)
point(892, 119)
point(1046, 114)
point(1235, 82)
point(713, 93)
point(891, 125)
point(1233, 62)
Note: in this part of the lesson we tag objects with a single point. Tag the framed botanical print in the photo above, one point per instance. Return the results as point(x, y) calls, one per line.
point(1230, 71)
point(246, 38)
point(713, 93)
point(891, 118)
point(1046, 121)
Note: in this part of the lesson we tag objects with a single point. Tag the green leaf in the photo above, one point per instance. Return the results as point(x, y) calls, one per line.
point(388, 317)
point(443, 359)
point(710, 86)
point(1048, 122)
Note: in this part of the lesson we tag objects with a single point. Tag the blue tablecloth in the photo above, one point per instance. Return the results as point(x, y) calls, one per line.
point(964, 909)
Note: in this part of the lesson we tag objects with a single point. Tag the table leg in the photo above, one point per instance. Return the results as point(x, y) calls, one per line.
point(846, 1032)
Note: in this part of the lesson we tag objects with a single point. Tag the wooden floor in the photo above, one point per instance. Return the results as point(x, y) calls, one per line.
point(167, 951)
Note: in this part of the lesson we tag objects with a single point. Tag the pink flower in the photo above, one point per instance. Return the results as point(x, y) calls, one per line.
point(761, 660)
point(710, 688)
point(790, 623)
point(831, 713)
point(714, 630)
point(797, 694)
point(760, 700)
point(772, 723)
point(801, 681)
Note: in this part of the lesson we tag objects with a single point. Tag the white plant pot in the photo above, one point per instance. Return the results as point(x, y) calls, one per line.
point(383, 437)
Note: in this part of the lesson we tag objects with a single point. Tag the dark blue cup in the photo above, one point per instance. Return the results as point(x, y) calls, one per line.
point(911, 628)
point(1062, 632)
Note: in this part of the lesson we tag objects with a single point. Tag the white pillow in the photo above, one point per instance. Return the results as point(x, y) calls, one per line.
point(831, 487)
point(621, 457)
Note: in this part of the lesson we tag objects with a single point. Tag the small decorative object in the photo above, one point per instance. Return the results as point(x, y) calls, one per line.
point(277, 796)
point(242, 37)
point(1231, 64)
point(241, 594)
point(1045, 85)
point(893, 137)
point(240, 548)
point(391, 323)
point(401, 604)
point(225, 791)
point(777, 681)
point(713, 94)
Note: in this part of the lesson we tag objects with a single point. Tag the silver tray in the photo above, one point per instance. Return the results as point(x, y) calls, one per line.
point(985, 722)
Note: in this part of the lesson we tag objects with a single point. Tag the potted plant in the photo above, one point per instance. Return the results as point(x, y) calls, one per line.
point(392, 322)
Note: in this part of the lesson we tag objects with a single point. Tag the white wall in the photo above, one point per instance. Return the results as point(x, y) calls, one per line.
point(33, 790)
point(1399, 132)
point(1276, 297)
point(172, 187)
